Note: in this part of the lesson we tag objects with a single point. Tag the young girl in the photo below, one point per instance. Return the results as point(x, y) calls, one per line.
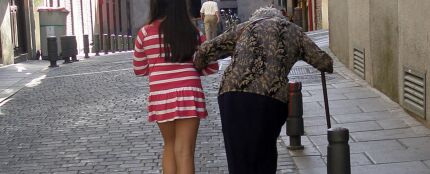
point(164, 51)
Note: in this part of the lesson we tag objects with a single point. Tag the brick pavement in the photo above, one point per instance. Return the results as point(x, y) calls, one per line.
point(89, 117)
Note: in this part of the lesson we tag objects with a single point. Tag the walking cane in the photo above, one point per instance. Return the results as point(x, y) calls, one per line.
point(327, 109)
point(338, 157)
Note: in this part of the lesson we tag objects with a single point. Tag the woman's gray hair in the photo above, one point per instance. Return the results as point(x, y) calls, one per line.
point(266, 12)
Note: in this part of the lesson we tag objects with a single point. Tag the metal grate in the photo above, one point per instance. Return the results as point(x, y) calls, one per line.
point(359, 62)
point(310, 75)
point(414, 92)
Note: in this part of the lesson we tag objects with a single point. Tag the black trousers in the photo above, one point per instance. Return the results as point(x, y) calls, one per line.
point(251, 124)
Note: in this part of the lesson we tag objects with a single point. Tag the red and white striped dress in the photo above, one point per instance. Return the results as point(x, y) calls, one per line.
point(175, 88)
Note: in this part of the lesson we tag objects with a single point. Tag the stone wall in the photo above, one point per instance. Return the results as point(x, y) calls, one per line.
point(5, 33)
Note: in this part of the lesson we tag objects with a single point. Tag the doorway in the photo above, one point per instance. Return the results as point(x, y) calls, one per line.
point(18, 26)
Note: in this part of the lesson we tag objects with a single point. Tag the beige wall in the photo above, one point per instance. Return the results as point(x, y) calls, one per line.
point(324, 11)
point(359, 33)
point(393, 33)
point(5, 32)
point(339, 35)
point(372, 26)
point(384, 46)
point(414, 40)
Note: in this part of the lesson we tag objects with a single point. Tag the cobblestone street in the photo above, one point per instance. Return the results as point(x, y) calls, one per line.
point(64, 110)
point(90, 117)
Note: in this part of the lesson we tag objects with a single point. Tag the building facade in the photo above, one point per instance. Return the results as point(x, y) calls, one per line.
point(95, 17)
point(114, 17)
point(314, 14)
point(140, 14)
point(17, 31)
point(386, 42)
point(100, 17)
point(20, 28)
point(310, 14)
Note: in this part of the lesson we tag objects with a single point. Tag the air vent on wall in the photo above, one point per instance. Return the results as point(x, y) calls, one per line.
point(359, 62)
point(414, 92)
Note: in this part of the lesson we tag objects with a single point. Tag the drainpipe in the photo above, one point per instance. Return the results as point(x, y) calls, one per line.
point(305, 15)
point(82, 18)
point(71, 17)
point(100, 15)
point(91, 15)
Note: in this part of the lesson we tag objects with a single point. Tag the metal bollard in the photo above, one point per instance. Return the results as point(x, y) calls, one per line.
point(69, 48)
point(75, 59)
point(66, 60)
point(338, 157)
point(52, 51)
point(113, 43)
point(130, 43)
point(96, 46)
point(86, 46)
point(295, 126)
point(125, 42)
point(75, 49)
point(119, 48)
point(117, 43)
point(106, 43)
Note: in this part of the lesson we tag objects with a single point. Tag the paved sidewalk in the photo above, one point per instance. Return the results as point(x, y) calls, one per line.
point(384, 139)
point(16, 76)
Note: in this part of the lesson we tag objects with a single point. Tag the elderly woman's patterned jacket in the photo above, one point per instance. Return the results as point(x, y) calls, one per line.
point(263, 52)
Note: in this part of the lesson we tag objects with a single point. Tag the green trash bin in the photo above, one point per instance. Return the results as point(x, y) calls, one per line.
point(52, 24)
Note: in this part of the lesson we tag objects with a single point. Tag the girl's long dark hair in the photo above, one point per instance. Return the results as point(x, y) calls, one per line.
point(181, 36)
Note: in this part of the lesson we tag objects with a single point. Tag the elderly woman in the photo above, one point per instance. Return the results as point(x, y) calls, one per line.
point(253, 95)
